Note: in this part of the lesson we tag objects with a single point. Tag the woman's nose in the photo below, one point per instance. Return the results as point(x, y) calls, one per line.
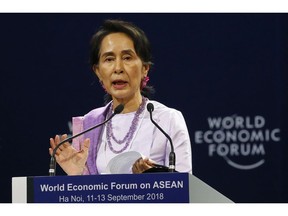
point(118, 67)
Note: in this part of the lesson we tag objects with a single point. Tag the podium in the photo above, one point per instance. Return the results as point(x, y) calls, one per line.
point(115, 188)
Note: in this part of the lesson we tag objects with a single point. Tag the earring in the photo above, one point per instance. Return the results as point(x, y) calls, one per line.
point(144, 82)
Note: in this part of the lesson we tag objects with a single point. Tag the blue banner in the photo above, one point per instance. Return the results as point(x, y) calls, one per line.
point(124, 188)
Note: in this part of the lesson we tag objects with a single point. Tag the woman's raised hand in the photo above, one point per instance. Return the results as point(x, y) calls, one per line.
point(69, 159)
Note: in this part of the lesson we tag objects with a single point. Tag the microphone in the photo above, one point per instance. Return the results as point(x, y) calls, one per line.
point(52, 169)
point(172, 156)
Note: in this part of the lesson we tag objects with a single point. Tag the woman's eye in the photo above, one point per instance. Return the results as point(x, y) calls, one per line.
point(127, 57)
point(109, 59)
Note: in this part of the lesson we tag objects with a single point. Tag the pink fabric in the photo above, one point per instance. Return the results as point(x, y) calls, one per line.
point(91, 119)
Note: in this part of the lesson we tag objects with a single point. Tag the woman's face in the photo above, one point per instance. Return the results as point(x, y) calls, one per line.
point(120, 69)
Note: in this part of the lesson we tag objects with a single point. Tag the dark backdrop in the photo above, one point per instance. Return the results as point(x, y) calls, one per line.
point(227, 73)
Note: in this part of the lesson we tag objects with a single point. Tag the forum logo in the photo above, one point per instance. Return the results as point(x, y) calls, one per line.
point(240, 140)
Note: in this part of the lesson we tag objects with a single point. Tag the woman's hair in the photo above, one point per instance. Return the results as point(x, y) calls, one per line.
point(140, 41)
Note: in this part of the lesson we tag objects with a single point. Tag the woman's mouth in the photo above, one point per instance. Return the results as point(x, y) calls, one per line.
point(119, 84)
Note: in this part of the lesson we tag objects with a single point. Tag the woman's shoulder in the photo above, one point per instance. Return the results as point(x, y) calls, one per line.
point(95, 112)
point(161, 109)
point(92, 115)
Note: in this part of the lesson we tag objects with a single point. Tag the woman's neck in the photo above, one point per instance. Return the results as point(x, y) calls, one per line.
point(130, 105)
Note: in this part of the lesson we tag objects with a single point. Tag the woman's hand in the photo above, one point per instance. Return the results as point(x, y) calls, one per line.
point(142, 165)
point(69, 159)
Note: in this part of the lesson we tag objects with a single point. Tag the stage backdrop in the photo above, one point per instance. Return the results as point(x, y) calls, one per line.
point(227, 73)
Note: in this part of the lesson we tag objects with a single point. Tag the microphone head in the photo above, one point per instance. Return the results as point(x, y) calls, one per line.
point(119, 109)
point(150, 107)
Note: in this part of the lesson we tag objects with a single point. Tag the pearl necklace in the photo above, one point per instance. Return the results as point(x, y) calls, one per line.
point(128, 137)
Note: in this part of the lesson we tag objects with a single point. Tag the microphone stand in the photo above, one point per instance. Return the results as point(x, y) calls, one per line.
point(172, 156)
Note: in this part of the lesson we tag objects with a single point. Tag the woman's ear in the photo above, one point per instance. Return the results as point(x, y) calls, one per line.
point(146, 68)
point(96, 71)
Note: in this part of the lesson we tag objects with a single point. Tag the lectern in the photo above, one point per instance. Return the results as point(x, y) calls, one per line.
point(115, 188)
